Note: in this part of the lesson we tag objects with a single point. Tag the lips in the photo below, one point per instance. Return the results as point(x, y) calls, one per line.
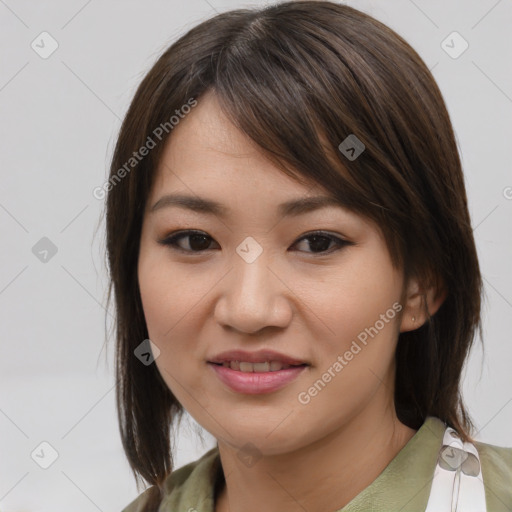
point(255, 383)
point(267, 366)
point(263, 371)
point(261, 356)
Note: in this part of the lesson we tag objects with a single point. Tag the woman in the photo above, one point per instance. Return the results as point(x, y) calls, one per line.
point(287, 223)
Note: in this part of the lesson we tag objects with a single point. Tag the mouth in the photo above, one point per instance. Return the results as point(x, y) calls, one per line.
point(262, 367)
point(256, 372)
point(256, 378)
point(261, 361)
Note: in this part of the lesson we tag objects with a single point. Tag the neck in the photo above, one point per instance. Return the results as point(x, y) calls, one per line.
point(325, 475)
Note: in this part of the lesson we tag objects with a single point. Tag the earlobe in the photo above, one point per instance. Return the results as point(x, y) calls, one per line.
point(417, 302)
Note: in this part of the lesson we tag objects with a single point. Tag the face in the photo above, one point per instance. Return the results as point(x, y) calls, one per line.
point(250, 278)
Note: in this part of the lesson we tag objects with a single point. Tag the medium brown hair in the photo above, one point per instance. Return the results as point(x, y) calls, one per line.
point(298, 78)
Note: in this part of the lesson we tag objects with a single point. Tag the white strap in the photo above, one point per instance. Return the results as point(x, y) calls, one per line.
point(458, 483)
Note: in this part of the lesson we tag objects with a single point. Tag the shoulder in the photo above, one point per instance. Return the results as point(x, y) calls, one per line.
point(497, 474)
point(138, 504)
point(495, 459)
point(179, 482)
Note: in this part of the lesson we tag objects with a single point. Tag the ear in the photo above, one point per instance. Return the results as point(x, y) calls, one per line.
point(416, 300)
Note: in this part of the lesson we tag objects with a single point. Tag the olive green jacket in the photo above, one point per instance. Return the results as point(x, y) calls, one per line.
point(403, 486)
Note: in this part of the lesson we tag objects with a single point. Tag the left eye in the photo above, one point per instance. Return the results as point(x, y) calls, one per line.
point(319, 242)
point(197, 239)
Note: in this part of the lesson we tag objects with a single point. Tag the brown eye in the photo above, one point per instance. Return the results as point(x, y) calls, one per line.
point(198, 241)
point(320, 242)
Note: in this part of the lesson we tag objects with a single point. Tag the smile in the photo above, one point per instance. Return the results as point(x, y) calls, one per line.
point(256, 378)
point(267, 366)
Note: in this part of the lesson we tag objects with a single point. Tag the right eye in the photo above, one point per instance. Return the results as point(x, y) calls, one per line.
point(198, 241)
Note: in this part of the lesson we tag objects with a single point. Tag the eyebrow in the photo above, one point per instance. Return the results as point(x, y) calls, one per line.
point(197, 204)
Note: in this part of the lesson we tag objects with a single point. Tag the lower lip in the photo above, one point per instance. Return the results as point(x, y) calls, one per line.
point(254, 383)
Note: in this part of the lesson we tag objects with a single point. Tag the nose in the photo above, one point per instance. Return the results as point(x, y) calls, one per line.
point(254, 296)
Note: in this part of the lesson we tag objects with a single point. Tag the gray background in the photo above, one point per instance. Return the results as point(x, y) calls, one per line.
point(60, 116)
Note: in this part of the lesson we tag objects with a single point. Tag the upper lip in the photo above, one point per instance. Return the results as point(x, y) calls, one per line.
point(260, 356)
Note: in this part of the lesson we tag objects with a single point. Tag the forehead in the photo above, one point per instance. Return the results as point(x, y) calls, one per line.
point(206, 151)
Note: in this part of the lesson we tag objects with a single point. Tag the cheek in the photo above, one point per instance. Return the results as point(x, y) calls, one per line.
point(167, 293)
point(169, 301)
point(354, 299)
point(360, 307)
point(155, 297)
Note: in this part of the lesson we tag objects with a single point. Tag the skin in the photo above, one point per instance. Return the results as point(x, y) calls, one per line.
point(307, 304)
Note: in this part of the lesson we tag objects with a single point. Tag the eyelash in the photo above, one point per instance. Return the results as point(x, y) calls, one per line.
point(171, 241)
